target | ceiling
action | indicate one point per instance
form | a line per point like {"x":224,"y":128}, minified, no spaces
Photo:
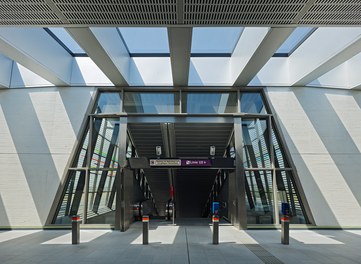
{"x":328,"y":57}
{"x":179,"y":12}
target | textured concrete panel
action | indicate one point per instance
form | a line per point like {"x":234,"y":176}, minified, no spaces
{"x":39,"y":129}
{"x":322,"y":130}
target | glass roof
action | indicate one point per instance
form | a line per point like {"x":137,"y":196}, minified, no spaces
{"x":211,"y":40}
{"x":298,"y":36}
{"x":64,"y":39}
{"x":145,"y":40}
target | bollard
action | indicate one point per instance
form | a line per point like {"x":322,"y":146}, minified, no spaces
{"x":285,"y":230}
{"x":75,"y":229}
{"x":145,"y":221}
{"x":215,"y":220}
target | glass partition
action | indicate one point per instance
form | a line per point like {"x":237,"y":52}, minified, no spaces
{"x":256,"y":147}
{"x":252,"y":103}
{"x":108,"y":103}
{"x":259,"y":197}
{"x":151,"y":103}
{"x":209,"y":103}
{"x":106,"y":132}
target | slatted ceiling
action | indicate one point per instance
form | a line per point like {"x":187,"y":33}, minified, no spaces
{"x":241,"y":12}
{"x":27,"y":12}
{"x":346,"y":12}
{"x":164,"y":12}
{"x":194,"y":140}
{"x":126,"y":12}
{"x":146,"y":137}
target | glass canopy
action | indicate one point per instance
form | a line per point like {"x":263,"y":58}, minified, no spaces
{"x":65,"y":40}
{"x":145,"y":40}
{"x":298,"y":36}
{"x":212,"y":40}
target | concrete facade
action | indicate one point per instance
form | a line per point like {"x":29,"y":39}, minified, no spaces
{"x":322,"y":129}
{"x":38,"y":130}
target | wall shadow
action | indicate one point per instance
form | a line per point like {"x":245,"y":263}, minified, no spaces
{"x":333,"y":134}
{"x":76,"y":101}
{"x":32,"y":150}
{"x":4,"y":219}
{"x":194,"y":77}
{"x":318,"y":204}
{"x":304,"y":175}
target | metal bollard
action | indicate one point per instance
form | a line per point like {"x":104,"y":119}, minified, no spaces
{"x":285,"y":230}
{"x":75,"y":229}
{"x":215,"y":221}
{"x":145,"y":221}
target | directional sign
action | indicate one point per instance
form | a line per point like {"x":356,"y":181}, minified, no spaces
{"x":165,"y":162}
{"x":196,"y":163}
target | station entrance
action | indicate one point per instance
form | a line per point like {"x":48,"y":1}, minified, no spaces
{"x":181,"y":168}
{"x":187,"y":147}
{"x":187,"y":163}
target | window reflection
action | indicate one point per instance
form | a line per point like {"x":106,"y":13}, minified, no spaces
{"x":259,"y":197}
{"x":252,"y":103}
{"x":108,"y":103}
{"x":256,"y":144}
{"x":209,"y":103}
{"x":151,"y":103}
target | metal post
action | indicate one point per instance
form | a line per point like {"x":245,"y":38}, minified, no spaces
{"x":145,"y":221}
{"x":285,"y":226}
{"x":215,"y":220}
{"x":75,"y":229}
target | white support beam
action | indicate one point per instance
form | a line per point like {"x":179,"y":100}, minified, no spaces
{"x":321,"y":52}
{"x":350,"y":51}
{"x":271,"y":42}
{"x":180,"y":42}
{"x":36,"y":50}
{"x":104,"y":47}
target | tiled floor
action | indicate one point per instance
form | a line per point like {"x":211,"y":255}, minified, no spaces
{"x":187,"y":243}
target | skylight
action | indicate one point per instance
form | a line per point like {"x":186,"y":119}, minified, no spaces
{"x":298,"y":36}
{"x":146,"y":41}
{"x":65,"y":40}
{"x":214,"y":41}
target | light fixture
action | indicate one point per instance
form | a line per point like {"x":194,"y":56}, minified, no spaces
{"x":212,"y":151}
{"x":158,"y":151}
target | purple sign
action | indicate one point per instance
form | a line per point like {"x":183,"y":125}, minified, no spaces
{"x":196,"y":163}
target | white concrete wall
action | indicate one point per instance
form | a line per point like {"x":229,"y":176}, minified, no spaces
{"x":38,"y":130}
{"x":322,"y":128}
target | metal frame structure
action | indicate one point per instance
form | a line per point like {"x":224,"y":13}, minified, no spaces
{"x":236,"y":180}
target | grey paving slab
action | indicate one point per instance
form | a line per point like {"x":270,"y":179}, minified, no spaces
{"x":184,"y":243}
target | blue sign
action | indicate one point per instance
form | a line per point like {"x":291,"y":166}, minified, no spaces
{"x":215,"y":208}
{"x":285,"y":208}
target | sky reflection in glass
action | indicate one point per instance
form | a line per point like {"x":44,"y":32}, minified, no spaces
{"x":298,"y":36}
{"x":150,"y":103}
{"x":145,"y":40}
{"x":209,"y":103}
{"x":215,"y":40}
{"x":67,"y":40}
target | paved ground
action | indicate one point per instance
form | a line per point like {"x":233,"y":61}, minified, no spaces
{"x":187,"y":243}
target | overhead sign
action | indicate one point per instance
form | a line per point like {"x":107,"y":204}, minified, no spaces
{"x":196,"y":163}
{"x":165,"y":162}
